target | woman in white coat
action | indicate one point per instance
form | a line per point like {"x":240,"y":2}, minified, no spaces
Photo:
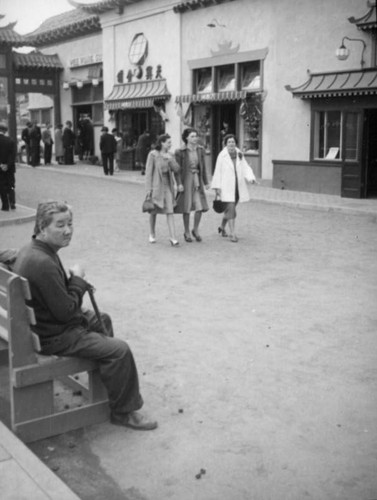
{"x":229,"y":182}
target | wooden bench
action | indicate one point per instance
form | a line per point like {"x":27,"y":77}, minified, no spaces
{"x":33,"y":409}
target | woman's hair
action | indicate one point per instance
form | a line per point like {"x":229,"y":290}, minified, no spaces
{"x":187,"y":132}
{"x":45,"y":212}
{"x":229,"y":136}
{"x":160,"y":139}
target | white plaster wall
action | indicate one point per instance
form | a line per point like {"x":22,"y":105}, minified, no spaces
{"x":299,"y":35}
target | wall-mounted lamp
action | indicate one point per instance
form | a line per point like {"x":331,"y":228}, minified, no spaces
{"x":215,"y":23}
{"x":95,"y":82}
{"x":65,"y":85}
{"x":79,"y":84}
{"x":343,"y":52}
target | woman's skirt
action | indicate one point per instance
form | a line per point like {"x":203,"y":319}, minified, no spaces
{"x":230,"y":210}
{"x":168,"y":197}
{"x":192,"y":195}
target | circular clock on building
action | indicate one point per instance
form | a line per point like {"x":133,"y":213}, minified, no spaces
{"x":138,"y":50}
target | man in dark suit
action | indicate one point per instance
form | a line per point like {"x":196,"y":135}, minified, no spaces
{"x":7,"y":170}
{"x":108,"y":147}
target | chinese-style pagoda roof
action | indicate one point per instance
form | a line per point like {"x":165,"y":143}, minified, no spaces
{"x":9,"y":37}
{"x":197,"y":4}
{"x":36,"y":60}
{"x":337,"y":84}
{"x":102,"y":5}
{"x":71,"y":24}
{"x":368,"y":22}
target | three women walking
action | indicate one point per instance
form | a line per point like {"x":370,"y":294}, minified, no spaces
{"x":177,"y":184}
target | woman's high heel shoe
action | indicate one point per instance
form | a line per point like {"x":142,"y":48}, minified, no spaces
{"x":222,"y":232}
{"x":174,"y":243}
{"x":196,"y":235}
{"x":187,"y":238}
{"x":152,"y":239}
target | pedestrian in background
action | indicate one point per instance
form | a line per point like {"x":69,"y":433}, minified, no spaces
{"x":8,"y":151}
{"x":118,"y":152}
{"x":25,"y":136}
{"x":69,"y":140}
{"x":229,"y":182}
{"x":108,"y":147}
{"x":193,"y":177}
{"x":47,"y":144}
{"x":59,"y":150}
{"x":161,"y":168}
{"x":143,"y":147}
{"x":35,"y":144}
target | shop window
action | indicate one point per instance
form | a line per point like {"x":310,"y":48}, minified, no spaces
{"x":202,"y":123}
{"x":336,"y":135}
{"x":204,"y":80}
{"x":250,"y":76}
{"x":226,"y":78}
{"x":251,"y":113}
{"x":327,"y":135}
{"x":46,"y":116}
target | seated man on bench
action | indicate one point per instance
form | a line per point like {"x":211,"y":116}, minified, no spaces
{"x":64,"y":328}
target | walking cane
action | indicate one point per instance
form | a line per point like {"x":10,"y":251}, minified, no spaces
{"x":91,"y":291}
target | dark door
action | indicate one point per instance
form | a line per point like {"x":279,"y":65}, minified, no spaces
{"x":370,"y":131}
{"x":223,"y":122}
{"x":353,"y":173}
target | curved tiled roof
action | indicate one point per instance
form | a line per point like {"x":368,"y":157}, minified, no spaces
{"x":337,"y":84}
{"x":9,"y":37}
{"x":102,"y":5}
{"x":36,"y":60}
{"x":368,"y":22}
{"x":64,"y":26}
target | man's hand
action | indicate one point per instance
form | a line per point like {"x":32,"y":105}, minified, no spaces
{"x":77,"y":270}
{"x":180,"y":188}
{"x":4,"y":167}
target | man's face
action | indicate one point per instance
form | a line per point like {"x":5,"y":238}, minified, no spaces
{"x":59,"y":233}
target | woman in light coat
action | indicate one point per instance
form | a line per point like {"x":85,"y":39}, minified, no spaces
{"x":159,"y":184}
{"x":229,"y":182}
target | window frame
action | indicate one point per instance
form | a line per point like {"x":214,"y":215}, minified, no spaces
{"x":314,"y":142}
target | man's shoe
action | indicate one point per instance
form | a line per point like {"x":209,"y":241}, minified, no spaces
{"x":133,"y":420}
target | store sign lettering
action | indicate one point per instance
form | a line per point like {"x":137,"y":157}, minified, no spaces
{"x":85,"y":60}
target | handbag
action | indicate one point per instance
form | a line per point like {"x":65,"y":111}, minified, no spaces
{"x":148,"y":205}
{"x":218,"y":205}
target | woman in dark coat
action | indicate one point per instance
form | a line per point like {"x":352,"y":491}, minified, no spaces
{"x":69,"y":140}
{"x":193,"y":177}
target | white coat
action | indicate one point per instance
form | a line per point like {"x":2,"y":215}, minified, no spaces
{"x":224,"y":176}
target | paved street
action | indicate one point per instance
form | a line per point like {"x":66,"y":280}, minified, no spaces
{"x":258,"y":359}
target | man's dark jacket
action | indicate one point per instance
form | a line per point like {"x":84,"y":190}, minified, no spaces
{"x":55,"y":298}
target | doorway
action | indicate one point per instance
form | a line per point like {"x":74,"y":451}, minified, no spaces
{"x":224,"y":122}
{"x":370,"y":131}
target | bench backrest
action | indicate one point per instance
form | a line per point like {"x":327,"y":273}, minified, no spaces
{"x":15,"y":319}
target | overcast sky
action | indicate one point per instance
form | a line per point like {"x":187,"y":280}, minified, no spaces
{"x":30,"y":14}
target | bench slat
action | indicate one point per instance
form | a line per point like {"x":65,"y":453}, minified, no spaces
{"x":49,"y":369}
{"x":3,"y":301}
{"x":65,"y":421}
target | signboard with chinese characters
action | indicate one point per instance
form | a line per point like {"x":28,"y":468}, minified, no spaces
{"x":85,"y":60}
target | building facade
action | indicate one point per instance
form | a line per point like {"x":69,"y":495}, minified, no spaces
{"x":295,"y":80}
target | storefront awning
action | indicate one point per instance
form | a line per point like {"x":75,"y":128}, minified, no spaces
{"x":231,"y":95}
{"x":337,"y":84}
{"x":137,"y":94}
